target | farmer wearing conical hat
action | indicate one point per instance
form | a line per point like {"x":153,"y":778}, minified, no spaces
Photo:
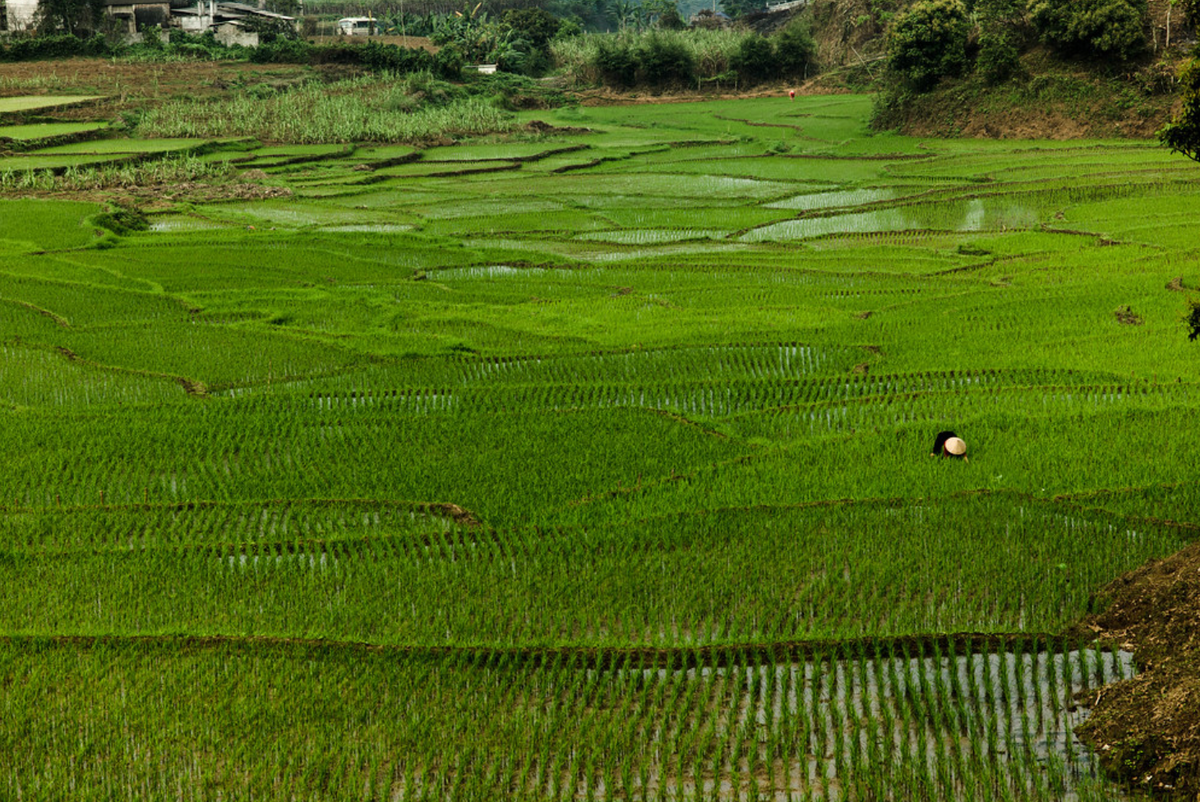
{"x":948,"y":444}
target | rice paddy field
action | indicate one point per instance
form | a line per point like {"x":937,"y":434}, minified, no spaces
{"x":589,"y":462}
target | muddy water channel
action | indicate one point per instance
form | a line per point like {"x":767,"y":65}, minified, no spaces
{"x":963,"y":727}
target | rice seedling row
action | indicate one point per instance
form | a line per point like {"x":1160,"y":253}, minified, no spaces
{"x":919,"y":721}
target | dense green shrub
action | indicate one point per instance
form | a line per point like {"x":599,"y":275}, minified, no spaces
{"x":755,"y":59}
{"x":616,"y":63}
{"x":795,"y":48}
{"x":201,"y":47}
{"x":928,"y":43}
{"x":740,"y":8}
{"x":372,"y":55}
{"x":66,"y":45}
{"x":389,"y":58}
{"x":76,"y":17}
{"x":285,"y":51}
{"x":121,"y":220}
{"x":1003,"y":32}
{"x":535,"y":25}
{"x":998,"y":59}
{"x":670,"y":20}
{"x":1096,"y":28}
{"x":1191,"y":11}
{"x":675,"y":58}
{"x":654,"y":60}
{"x":448,"y":63}
{"x":665,"y":61}
{"x":522,"y":43}
{"x":1182,"y":134}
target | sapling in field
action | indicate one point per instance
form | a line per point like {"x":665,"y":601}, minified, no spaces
{"x":1192,"y":319}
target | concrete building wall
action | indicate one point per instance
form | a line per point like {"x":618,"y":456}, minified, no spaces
{"x":229,"y":35}
{"x":20,"y":13}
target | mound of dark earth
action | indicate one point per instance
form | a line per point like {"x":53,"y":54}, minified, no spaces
{"x":1146,"y":730}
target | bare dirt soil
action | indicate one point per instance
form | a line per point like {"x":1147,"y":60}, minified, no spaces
{"x":413,"y":42}
{"x":1146,"y":730}
{"x":963,"y":120}
{"x":126,"y":86}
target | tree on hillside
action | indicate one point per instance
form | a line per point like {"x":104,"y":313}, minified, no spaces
{"x":663,"y":14}
{"x":755,"y":59}
{"x":592,"y":15}
{"x":1001,"y":36}
{"x":1093,"y":28}
{"x":795,"y":47}
{"x":536,"y":25}
{"x":270,"y":29}
{"x":1182,"y":134}
{"x":524,"y":43}
{"x":737,"y":8}
{"x":929,"y":42}
{"x":1190,"y":10}
{"x":628,"y":14}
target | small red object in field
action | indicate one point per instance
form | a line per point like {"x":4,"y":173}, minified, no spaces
{"x":792,"y":94}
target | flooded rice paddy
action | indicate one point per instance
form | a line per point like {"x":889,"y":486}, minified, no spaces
{"x":838,"y":729}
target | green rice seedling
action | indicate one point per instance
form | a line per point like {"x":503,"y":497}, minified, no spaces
{"x":26,"y":103}
{"x":33,"y":133}
{"x":37,"y":224}
{"x":139,"y":146}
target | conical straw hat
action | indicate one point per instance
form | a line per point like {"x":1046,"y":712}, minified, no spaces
{"x":956,"y":446}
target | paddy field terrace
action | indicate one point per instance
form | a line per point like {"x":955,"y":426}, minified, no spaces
{"x":584,"y":459}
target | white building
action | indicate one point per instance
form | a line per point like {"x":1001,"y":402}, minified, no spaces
{"x":356,"y":26}
{"x":17,"y":15}
{"x":225,"y":19}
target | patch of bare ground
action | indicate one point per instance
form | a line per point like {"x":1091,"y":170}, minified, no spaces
{"x":1126,"y":316}
{"x":412,"y":42}
{"x":542,"y":127}
{"x":1146,"y":730}
{"x":1054,"y":122}
{"x":153,"y":196}
{"x":164,"y":197}
{"x":194,"y":387}
{"x":128,"y":85}
{"x":607,"y":96}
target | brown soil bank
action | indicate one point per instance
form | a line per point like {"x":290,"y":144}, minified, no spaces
{"x":1049,"y":99}
{"x":1146,"y":730}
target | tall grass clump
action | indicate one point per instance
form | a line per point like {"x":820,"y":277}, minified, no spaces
{"x":651,"y":58}
{"x":173,"y":170}
{"x":368,"y":109}
{"x":671,"y":59}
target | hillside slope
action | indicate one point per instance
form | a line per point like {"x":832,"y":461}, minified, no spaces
{"x":1048,"y":97}
{"x":1051,"y":99}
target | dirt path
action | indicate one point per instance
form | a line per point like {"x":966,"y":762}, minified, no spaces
{"x":1147,"y":730}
